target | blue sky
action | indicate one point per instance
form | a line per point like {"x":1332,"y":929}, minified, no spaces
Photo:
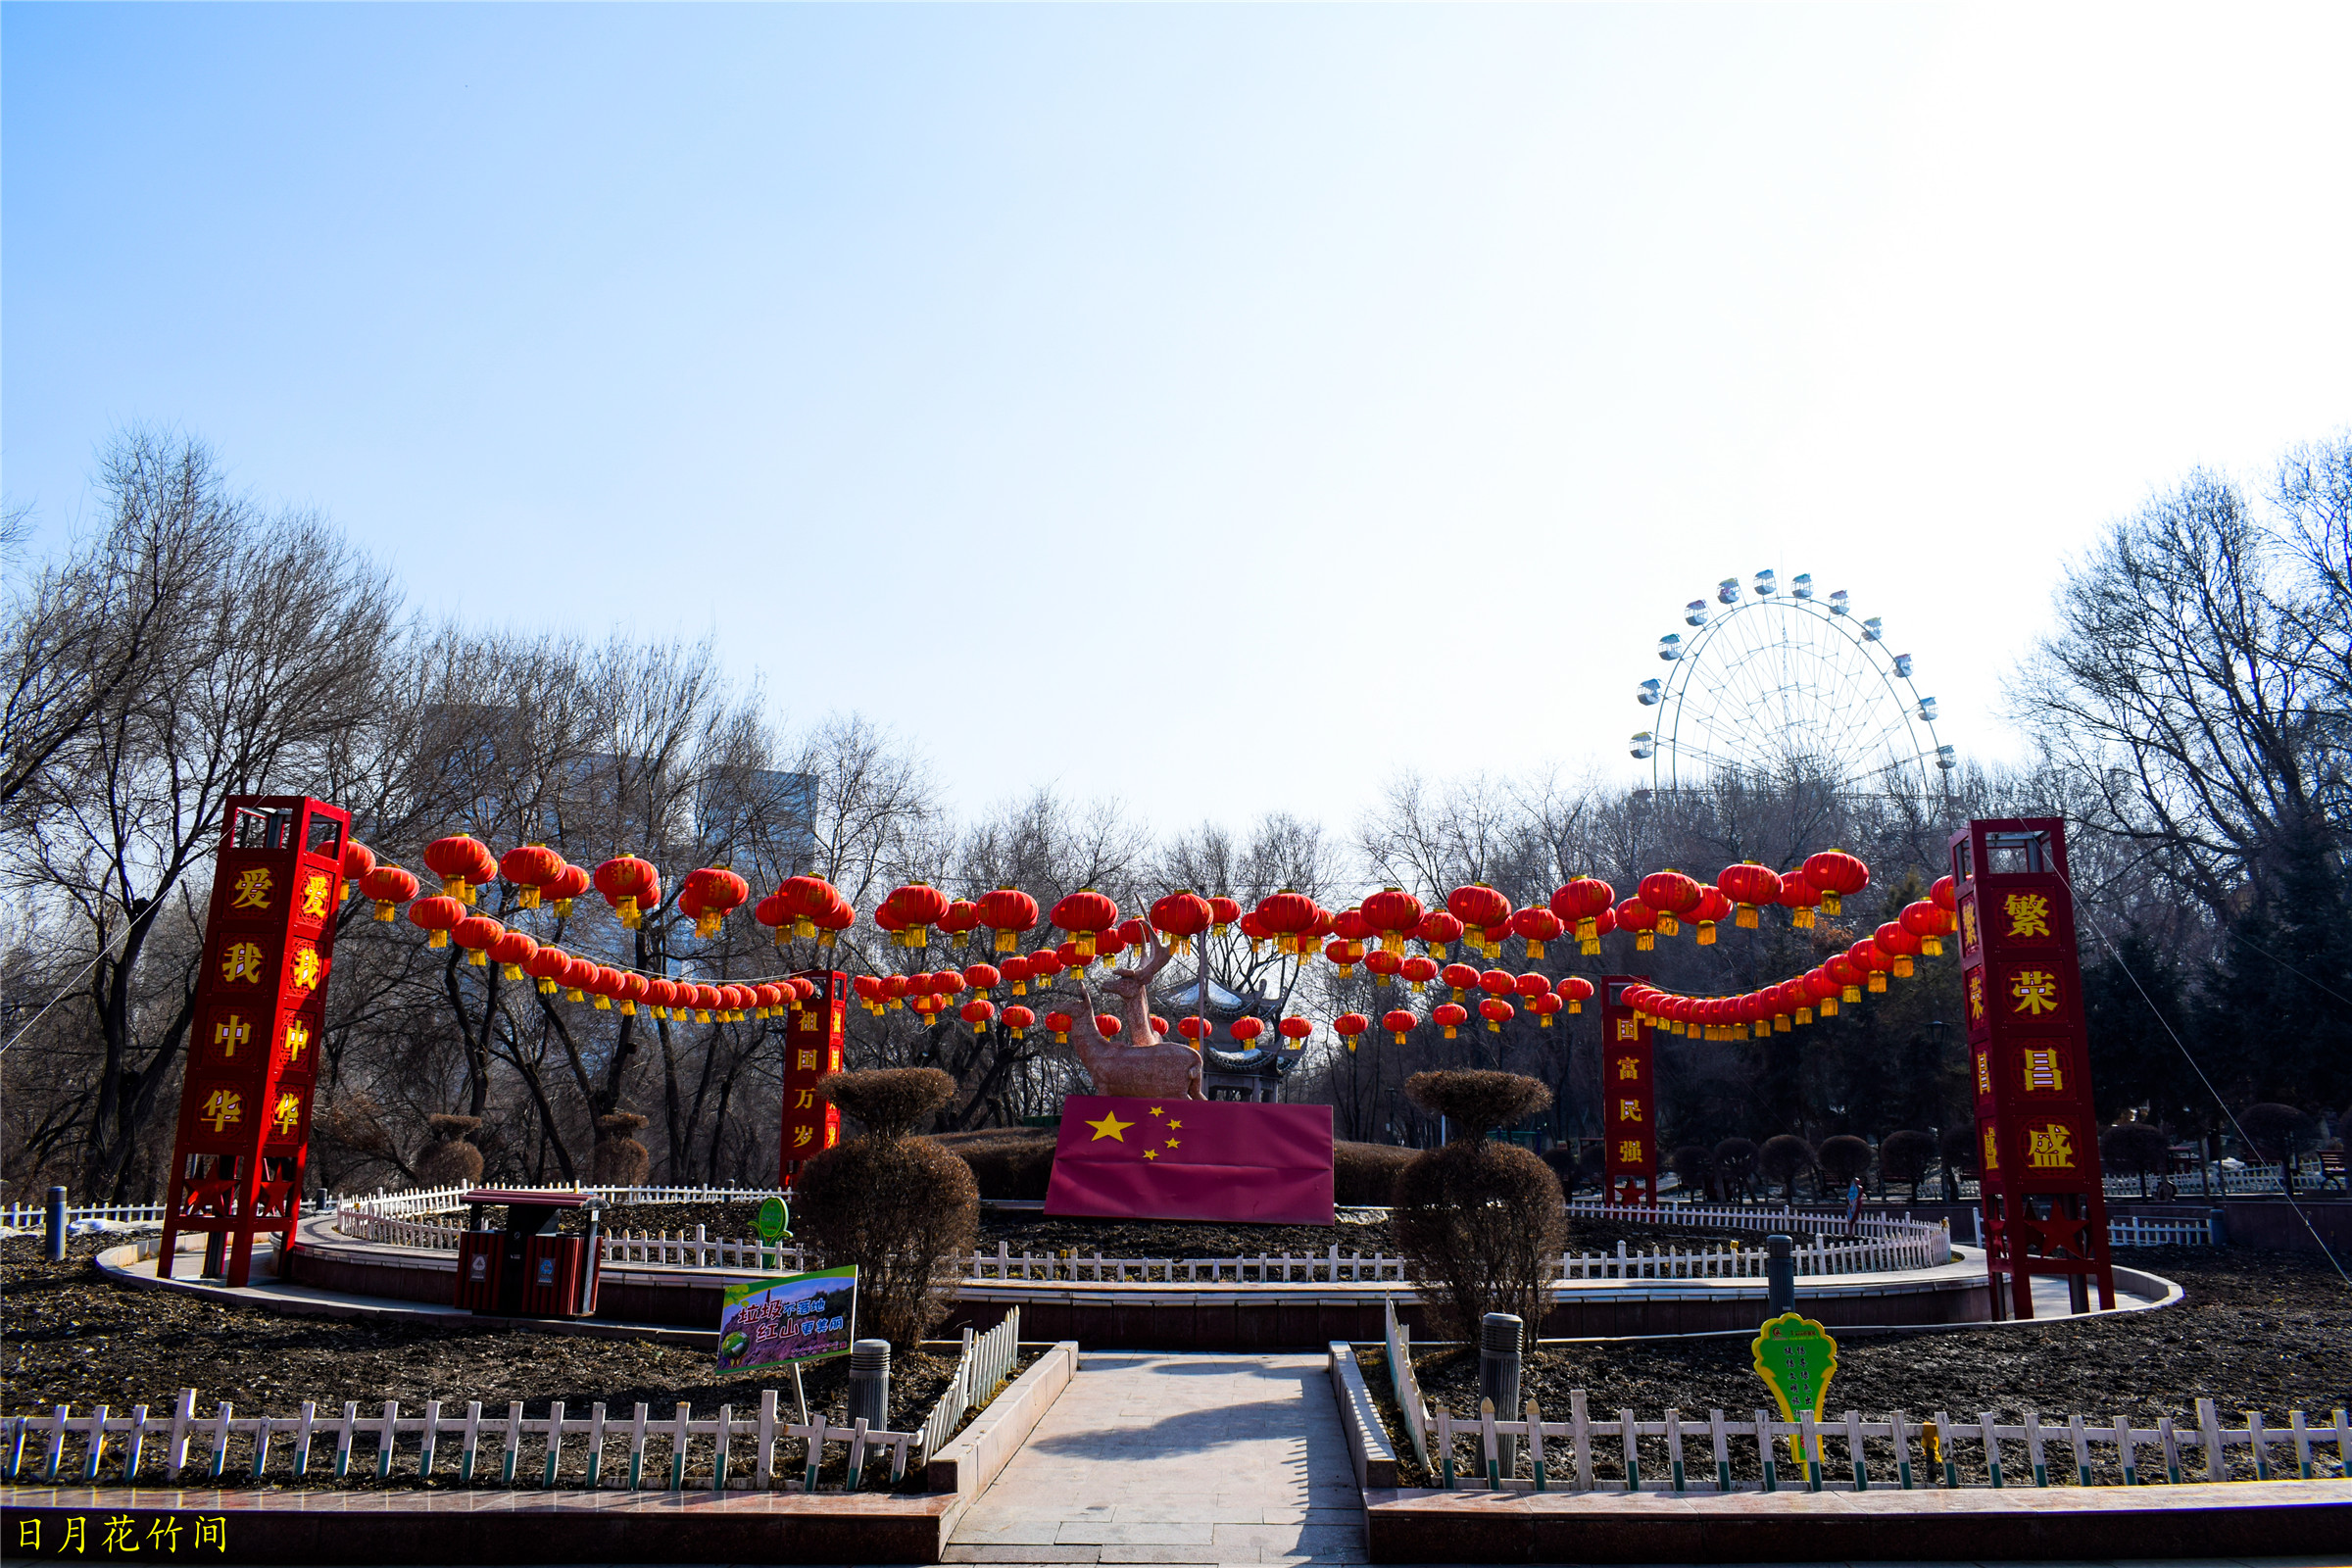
{"x":1219,"y":408}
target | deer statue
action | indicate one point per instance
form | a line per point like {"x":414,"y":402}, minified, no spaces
{"x":1140,"y":1063}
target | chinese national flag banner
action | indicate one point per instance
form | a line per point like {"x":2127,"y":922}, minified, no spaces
{"x":1221,"y":1159}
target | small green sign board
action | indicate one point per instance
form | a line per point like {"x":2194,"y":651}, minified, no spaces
{"x":1796,"y":1359}
{"x":773,"y":1221}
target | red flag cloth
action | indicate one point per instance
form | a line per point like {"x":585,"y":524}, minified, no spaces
{"x":1223,"y":1159}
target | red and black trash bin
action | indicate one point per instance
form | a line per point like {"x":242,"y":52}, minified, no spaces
{"x":528,"y":1268}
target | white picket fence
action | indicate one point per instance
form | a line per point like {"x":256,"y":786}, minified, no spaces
{"x":1607,"y":1454}
{"x":2135,"y":1230}
{"x":987,"y":1362}
{"x":65,"y":1447}
{"x":36,"y":1216}
{"x":2247,"y":1180}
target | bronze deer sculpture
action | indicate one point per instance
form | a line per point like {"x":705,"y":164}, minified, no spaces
{"x":1140,"y":1063}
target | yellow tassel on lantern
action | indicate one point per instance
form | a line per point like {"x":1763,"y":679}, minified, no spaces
{"x":604,"y":1003}
{"x":527,"y":898}
{"x":1449,"y":1031}
{"x":573,"y":995}
{"x":547,"y":988}
{"x":1668,"y":925}
{"x":1706,"y":933}
{"x":562,"y":909}
{"x":1544,"y":1019}
{"x":1931,"y":947}
{"x":383,"y":910}
{"x":1086,"y":946}
{"x":1803,"y":919}
{"x":477,"y":958}
{"x":626,"y":909}
{"x":1902,"y":966}
{"x":1804,"y":1015}
{"x":439,"y":939}
{"x":1345,"y":971}
{"x":1878,"y":981}
{"x":705,"y":925}
{"x":1645,"y":941}
{"x":1575,"y":1005}
{"x":1007,"y":941}
{"x":629,"y":1009}
{"x":1780,"y":1023}
{"x":1746,"y":919}
{"x":510,"y":971}
{"x":1829,"y":903}
{"x":701,"y":1017}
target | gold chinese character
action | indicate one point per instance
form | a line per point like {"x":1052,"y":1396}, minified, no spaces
{"x":805,"y":1099}
{"x":212,"y":1531}
{"x":28,"y":1535}
{"x":231,"y":1033}
{"x":2050,"y":1148}
{"x":242,"y":962}
{"x":289,"y":1111}
{"x":1975,"y":997}
{"x":76,"y":1539}
{"x":1627,"y":1067}
{"x":308,"y":968}
{"x":225,"y":1106}
{"x":832,"y":1136}
{"x":1628,"y":1029}
{"x":1629,"y":1111}
{"x":800,"y":1136}
{"x":2029,"y":914}
{"x":1629,"y":1152}
{"x":1993,"y":1157}
{"x":2042,"y":1070}
{"x":807,"y":1059}
{"x":118,"y":1534}
{"x":252,"y":889}
{"x":833,"y":1059}
{"x":1983,"y":1073}
{"x":1968,"y":922}
{"x":2035,"y":991}
{"x":165,"y":1535}
{"x":298,"y":1034}
{"x":314,"y":895}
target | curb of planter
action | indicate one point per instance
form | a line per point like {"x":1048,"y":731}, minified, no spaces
{"x":1368,"y":1446}
{"x":973,"y":1458}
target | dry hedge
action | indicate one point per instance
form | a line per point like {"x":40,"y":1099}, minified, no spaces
{"x":1005,"y":1162}
{"x":1475,"y":1104}
{"x":1365,"y":1174}
{"x":888,"y":1100}
{"x":900,"y":1208}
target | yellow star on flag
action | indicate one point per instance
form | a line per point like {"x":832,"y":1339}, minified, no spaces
{"x":1175,"y":1126}
{"x":1151,"y":1154}
{"x":1109,"y":1127}
{"x":1155,"y":1110}
{"x":1173,"y":1142}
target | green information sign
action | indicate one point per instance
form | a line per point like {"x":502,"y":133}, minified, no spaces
{"x":773,"y":1221}
{"x":1797,"y":1359}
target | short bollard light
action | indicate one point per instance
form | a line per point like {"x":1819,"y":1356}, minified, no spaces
{"x":1779,"y":1275}
{"x":869,"y":1387}
{"x":57,"y":1225}
{"x":1499,"y":1337}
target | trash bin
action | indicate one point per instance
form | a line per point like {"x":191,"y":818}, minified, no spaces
{"x":525,"y":1267}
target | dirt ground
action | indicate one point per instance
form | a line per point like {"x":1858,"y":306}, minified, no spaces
{"x":69,"y":1337}
{"x":2257,"y":1331}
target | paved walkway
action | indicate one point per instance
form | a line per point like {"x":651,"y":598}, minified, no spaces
{"x":1150,"y":1458}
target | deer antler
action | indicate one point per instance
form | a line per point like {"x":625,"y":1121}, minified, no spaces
{"x":1157,"y":962}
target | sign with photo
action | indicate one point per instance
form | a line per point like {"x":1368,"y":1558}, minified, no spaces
{"x":795,"y":1317}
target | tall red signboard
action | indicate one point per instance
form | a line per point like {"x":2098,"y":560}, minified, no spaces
{"x":253,"y":1050}
{"x":811,"y":1049}
{"x":1628,"y":1117}
{"x":2038,"y":1140}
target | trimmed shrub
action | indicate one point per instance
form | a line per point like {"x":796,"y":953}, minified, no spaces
{"x":1005,"y":1162}
{"x":1735,"y":1168}
{"x":1904,"y":1156}
{"x":618,"y":1159}
{"x":449,"y":1161}
{"x":1694,"y":1167}
{"x":1479,"y":1222}
{"x":1785,"y":1157}
{"x":900,"y":1208}
{"x":2137,"y":1148}
{"x":1843,"y":1159}
{"x":1364,"y":1175}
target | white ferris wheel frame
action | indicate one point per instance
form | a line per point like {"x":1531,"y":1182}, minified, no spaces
{"x":1803,"y":666}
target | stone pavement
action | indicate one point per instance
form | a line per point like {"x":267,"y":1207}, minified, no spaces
{"x":1163,"y":1459}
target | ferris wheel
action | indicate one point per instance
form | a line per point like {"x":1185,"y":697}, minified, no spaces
{"x":1777,"y":684}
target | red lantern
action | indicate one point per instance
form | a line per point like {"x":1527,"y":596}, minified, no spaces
{"x":1848,"y":974}
{"x":1418,"y":971}
{"x":715,"y":892}
{"x":1943,"y":897}
{"x":1823,"y":989}
{"x":1349,"y":1025}
{"x":529,"y":867}
{"x":1009,"y":912}
{"x":1708,"y":913}
{"x":513,"y":949}
{"x":1015,"y":972}
{"x":1800,"y":898}
{"x":1107,"y":1025}
{"x":1350,"y":927}
{"x":459,"y":861}
{"x":1496,"y":1012}
{"x":1059,"y":1022}
{"x":1498,"y":982}
{"x":1254,"y":930}
{"x":1338,"y":953}
{"x":1899,"y":944}
{"x":1160,"y":1025}
{"x":913,"y":909}
{"x":547,"y":967}
{"x":634,"y":988}
{"x":805,"y":899}
{"x":1874,"y":959}
{"x":1449,"y":1015}
{"x":947,"y":982}
{"x":1477,"y":907}
{"x":978,"y":1013}
{"x":774,"y":912}
{"x":1537,"y":926}
{"x":1580,"y":903}
{"x":895,"y":990}
{"x":631,"y":886}
{"x":1532,"y":986}
{"x":1399,"y":1021}
{"x":1043,"y":967}
{"x":768,"y":998}
{"x":1194,"y":1028}
{"x":1543,"y":1007}
{"x":1383,"y":964}
{"x":982,"y":977}
{"x":569,"y":884}
{"x":610,"y":986}
{"x":1086,"y":914}
{"x":437,"y":914}
{"x":1748,"y":885}
{"x":1640,"y":919}
{"x":1294,"y":1030}
{"x":1245,"y":1029}
{"x":869,"y":990}
{"x":1286,"y":917}
{"x":838,"y":917}
{"x":962,"y":917}
{"x":1437,"y":928}
{"x":1576,"y":991}
{"x":1019,"y":1019}
{"x":1395,"y":914}
{"x":1222,"y":912}
{"x":578,"y":975}
{"x":1183,"y":914}
{"x":1672,"y":895}
{"x":357,"y":860}
{"x":1930,"y":925}
{"x":388,"y":885}
{"x":1838,"y":874}
{"x":1460,"y":976}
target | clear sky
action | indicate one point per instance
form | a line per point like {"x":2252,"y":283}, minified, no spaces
{"x":1219,"y":408}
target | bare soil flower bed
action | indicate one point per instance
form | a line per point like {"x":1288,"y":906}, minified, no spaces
{"x":2257,"y":1331}
{"x":68,"y":1336}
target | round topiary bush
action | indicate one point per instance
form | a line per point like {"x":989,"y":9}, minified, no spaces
{"x":1843,"y":1158}
{"x":1480,"y":1223}
{"x":900,"y":1208}
{"x":1783,"y":1158}
{"x":1735,"y":1168}
{"x":449,"y":1161}
{"x":1904,"y":1156}
{"x":618,"y":1159}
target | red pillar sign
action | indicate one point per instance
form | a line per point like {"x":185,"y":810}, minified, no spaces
{"x":2038,"y":1139}
{"x":253,"y":1049}
{"x":1629,"y":1116}
{"x":811,"y":1049}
